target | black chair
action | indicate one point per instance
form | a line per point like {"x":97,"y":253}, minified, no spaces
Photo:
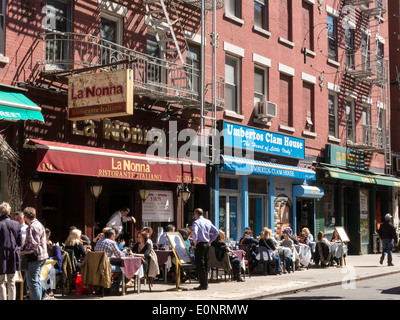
{"x":74,"y":263}
{"x":61,"y":278}
{"x":322,"y":254}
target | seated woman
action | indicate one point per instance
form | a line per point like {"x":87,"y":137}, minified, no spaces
{"x":252,"y":244}
{"x":74,"y":242}
{"x":285,"y":254}
{"x":335,"y":236}
{"x":308,"y":234}
{"x":322,"y":250}
{"x":221,"y":249}
{"x":142,"y":249}
{"x":268,"y":241}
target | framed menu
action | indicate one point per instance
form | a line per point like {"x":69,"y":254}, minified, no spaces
{"x":158,"y":207}
{"x":179,"y":248}
{"x":342,"y":234}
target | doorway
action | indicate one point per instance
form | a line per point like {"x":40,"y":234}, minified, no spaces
{"x":228,"y":215}
{"x":304,"y":215}
{"x":256,"y":214}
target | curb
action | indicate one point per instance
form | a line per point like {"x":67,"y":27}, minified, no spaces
{"x":316,"y":286}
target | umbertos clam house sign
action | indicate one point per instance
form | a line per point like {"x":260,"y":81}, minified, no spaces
{"x":100,"y":95}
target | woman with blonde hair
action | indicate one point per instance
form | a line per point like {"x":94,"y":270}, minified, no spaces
{"x":268,"y":242}
{"x":74,"y":243}
{"x":308,"y":234}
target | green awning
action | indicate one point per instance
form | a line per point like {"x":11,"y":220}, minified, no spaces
{"x":349,"y":175}
{"x":387,"y":181}
{"x":344,"y":174}
{"x":15,"y":106}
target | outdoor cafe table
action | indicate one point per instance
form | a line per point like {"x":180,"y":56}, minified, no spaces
{"x":132,"y":267}
{"x":164,"y":260}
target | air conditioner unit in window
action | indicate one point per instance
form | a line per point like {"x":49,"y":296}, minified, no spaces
{"x":266,"y":110}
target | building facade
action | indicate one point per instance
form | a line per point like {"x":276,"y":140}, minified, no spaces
{"x":293,"y":94}
{"x":316,"y":71}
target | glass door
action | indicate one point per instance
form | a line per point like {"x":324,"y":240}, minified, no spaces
{"x":256,"y":214}
{"x":228,"y":215}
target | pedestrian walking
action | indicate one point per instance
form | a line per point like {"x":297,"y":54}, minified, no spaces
{"x":202,"y":228}
{"x":35,"y":249}
{"x":10,"y":241}
{"x":388,"y":236}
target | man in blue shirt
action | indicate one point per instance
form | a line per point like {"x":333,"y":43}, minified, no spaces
{"x":201,"y":230}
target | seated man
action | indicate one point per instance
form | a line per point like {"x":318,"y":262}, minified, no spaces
{"x":110,"y":247}
{"x":163,"y":238}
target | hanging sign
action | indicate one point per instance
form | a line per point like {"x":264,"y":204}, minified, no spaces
{"x":243,"y":137}
{"x":100,"y":95}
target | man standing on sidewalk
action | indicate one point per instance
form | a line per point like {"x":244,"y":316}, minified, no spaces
{"x":201,"y":230}
{"x":388,"y":234}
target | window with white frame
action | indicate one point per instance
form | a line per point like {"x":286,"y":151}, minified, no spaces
{"x":232,"y":8}
{"x":332,"y":37}
{"x":350,"y":122}
{"x":193,"y":60}
{"x":260,"y":84}
{"x":332,"y":113}
{"x":58,"y":21}
{"x":232,"y":84}
{"x":365,"y":58}
{"x":366,"y":122}
{"x":349,"y":44}
{"x":261,"y":14}
{"x":111,"y":36}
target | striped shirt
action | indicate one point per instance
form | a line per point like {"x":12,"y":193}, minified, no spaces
{"x":36,"y":240}
{"x":109,"y":246}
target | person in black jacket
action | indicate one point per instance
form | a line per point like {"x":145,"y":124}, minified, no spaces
{"x":388,"y":234}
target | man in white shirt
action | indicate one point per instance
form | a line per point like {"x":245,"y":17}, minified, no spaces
{"x":118,"y":218}
{"x":20,"y":218}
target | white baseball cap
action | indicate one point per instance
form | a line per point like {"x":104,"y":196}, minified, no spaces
{"x":388,"y":216}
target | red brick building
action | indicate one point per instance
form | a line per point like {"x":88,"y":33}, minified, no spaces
{"x":303,"y":73}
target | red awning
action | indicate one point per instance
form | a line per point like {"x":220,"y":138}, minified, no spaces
{"x":54,"y":157}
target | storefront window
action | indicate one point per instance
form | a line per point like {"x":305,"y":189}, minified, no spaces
{"x":228,"y":183}
{"x":257,"y":185}
{"x":331,"y":214}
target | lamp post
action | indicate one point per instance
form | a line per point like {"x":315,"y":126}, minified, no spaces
{"x":35,"y":184}
{"x":144,"y":193}
{"x":184,"y":192}
{"x":96,"y":189}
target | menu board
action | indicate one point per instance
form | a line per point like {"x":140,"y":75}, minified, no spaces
{"x":179,"y":248}
{"x":158,"y":207}
{"x":342,"y":234}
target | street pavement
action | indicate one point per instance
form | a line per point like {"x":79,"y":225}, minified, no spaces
{"x":357,"y":267}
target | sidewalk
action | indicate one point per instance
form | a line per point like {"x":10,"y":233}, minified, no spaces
{"x":258,"y":286}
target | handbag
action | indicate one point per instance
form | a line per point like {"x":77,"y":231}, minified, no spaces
{"x":232,"y":255}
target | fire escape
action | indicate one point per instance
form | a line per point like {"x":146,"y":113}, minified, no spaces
{"x":167,"y":77}
{"x":374,"y":134}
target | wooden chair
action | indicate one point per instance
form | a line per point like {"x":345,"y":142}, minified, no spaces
{"x":247,"y":255}
{"x":102,"y":277}
{"x":215,"y":264}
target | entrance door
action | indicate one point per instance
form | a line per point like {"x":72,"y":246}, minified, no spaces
{"x":304,"y":215}
{"x":256,"y":214}
{"x":228,"y":215}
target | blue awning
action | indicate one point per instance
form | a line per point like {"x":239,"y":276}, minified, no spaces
{"x":243,"y":166}
{"x":308,"y":192}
